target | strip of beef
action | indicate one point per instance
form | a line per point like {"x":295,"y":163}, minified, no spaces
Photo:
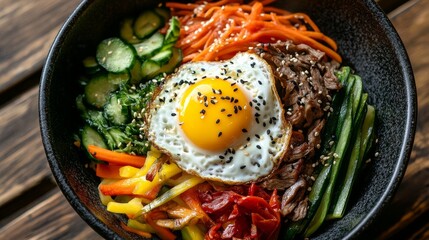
{"x":305,"y":80}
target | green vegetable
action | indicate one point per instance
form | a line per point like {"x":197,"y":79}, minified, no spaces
{"x":114,"y":55}
{"x":192,"y":232}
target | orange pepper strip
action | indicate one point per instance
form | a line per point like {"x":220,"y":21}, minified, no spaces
{"x":116,"y":157}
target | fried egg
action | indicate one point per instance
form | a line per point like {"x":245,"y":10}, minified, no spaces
{"x":221,"y":120}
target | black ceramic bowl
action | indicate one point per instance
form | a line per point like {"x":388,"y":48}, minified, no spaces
{"x":366,"y":39}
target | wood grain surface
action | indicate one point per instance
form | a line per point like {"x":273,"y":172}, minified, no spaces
{"x":32,"y":207}
{"x":27,"y":29}
{"x":51,"y":218}
{"x":408,"y":213}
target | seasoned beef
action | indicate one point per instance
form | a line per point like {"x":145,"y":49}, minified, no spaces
{"x":305,"y":80}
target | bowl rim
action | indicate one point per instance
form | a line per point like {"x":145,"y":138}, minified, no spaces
{"x":364,"y":223}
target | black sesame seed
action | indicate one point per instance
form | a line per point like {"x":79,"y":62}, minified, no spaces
{"x":223,"y":110}
{"x":264,"y":102}
{"x":199,"y":94}
{"x":173,"y":114}
{"x":258,"y":147}
{"x":235,"y":89}
{"x":242,"y":167}
{"x":236,"y":101}
{"x":257,"y":115}
{"x":239,"y":108}
{"x":228,"y":161}
{"x":239,"y":71}
{"x":232,"y":84}
{"x":202,"y":69}
{"x":229,"y":115}
{"x":260,"y":97}
{"x":212,"y":101}
{"x":203,"y":111}
{"x":253,"y":64}
{"x":221,"y":157}
{"x":218,"y":121}
{"x":264,"y":124}
{"x":257,"y":136}
{"x":219,"y":134}
{"x":255,"y":101}
{"x":257,"y":120}
{"x":251,"y":104}
{"x":260,"y":83}
{"x":268,"y":131}
{"x":248,"y":139}
{"x":244,"y":130}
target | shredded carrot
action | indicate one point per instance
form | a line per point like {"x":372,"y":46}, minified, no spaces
{"x":116,"y":158}
{"x":107,"y":171}
{"x":218,"y":30}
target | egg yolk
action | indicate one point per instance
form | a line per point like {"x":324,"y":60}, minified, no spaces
{"x":214,"y":114}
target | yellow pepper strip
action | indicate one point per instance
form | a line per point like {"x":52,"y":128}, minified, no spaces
{"x":152,"y":156}
{"x":140,"y":226}
{"x":173,"y":182}
{"x":128,"y":171}
{"x":172,"y":193}
{"x":167,"y":171}
{"x":132,"y":207}
{"x":104,"y":198}
{"x":192,"y":232}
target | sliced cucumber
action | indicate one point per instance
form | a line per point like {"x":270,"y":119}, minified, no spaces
{"x":92,"y":137}
{"x":91,"y":65}
{"x":114,"y":55}
{"x":136,"y":73}
{"x":175,"y":60}
{"x":150,"y":69}
{"x":127,"y":31}
{"x":162,"y":57}
{"x":173,"y":32}
{"x":98,"y":90}
{"x":163,"y":12}
{"x":118,"y":78}
{"x":147,"y":23}
{"x":150,"y":45}
{"x":115,"y":112}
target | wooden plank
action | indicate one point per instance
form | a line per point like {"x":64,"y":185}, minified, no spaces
{"x":22,"y":159}
{"x":50,"y":218}
{"x":411,"y":202}
{"x":27,"y":29}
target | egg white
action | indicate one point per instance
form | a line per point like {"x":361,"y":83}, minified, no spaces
{"x":265,"y":143}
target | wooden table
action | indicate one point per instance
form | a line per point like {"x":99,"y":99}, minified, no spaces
{"x":31,"y":206}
